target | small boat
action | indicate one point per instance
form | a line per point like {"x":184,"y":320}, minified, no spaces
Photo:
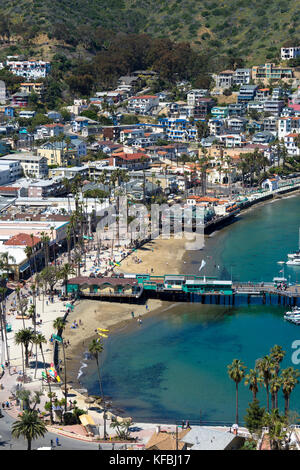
{"x":296,"y":254}
{"x":296,"y":322}
{"x":291,"y":317}
{"x":294,"y":311}
{"x":294,"y":262}
{"x":280,"y":262}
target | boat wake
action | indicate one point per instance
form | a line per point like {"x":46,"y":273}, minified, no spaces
{"x":80,"y":372}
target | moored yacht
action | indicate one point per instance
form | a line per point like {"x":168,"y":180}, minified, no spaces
{"x":294,"y":262}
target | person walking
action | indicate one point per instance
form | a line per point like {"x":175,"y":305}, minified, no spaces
{"x":57,"y":442}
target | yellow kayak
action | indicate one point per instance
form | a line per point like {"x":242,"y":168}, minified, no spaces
{"x":102,"y":334}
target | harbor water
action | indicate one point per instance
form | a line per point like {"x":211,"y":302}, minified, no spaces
{"x":173,"y":366}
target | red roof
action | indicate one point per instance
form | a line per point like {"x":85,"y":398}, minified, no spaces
{"x":9,"y":188}
{"x":130,"y":156}
{"x":23,"y":239}
{"x":143,"y":97}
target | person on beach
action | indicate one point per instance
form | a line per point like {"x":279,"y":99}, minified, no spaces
{"x":132,"y":314}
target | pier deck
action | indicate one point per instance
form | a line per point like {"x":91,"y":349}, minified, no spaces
{"x":182,"y":288}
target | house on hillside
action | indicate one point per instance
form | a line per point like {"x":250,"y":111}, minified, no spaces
{"x":142,"y":104}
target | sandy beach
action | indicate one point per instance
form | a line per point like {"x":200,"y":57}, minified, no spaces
{"x":157,"y":257}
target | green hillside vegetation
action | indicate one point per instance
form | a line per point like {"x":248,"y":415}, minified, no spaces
{"x":91,"y":43}
{"x":254,"y":30}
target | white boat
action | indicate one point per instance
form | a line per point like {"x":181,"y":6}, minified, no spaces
{"x":296,"y":322}
{"x":294,"y":262}
{"x":291,"y":317}
{"x":294,"y":311}
{"x":296,"y":254}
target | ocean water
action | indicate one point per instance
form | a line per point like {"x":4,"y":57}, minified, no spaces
{"x":174,"y":365}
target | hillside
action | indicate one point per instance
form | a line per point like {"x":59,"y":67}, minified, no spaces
{"x":235,"y":27}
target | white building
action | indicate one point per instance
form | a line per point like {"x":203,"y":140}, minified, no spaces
{"x":2,"y":92}
{"x":32,"y":165}
{"x":290,"y":142}
{"x":242,"y":77}
{"x":29,"y":68}
{"x":13,"y":167}
{"x":288,"y":125}
{"x":288,"y":53}
{"x":232,"y":140}
{"x":194,"y":95}
{"x":142,"y":104}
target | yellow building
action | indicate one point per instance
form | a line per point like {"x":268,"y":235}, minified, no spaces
{"x":59,"y":153}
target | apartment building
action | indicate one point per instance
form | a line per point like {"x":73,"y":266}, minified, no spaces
{"x":29,"y":68}
{"x":270,"y":71}
{"x":34,"y":166}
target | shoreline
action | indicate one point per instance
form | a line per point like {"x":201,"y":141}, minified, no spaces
{"x":122,"y":318}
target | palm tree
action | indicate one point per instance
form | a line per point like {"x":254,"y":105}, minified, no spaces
{"x":266,"y":368}
{"x":39,"y":340}
{"x":45,"y":239}
{"x":289,"y":379}
{"x":236,"y":372}
{"x":33,"y":247}
{"x":277,"y":355}
{"x":59,"y":324}
{"x":253,"y":379}
{"x":29,"y":426}
{"x":5,"y":261}
{"x":25,"y":337}
{"x":28,"y":253}
{"x":275,"y":385}
{"x":68,"y":236}
{"x":65,"y":271}
{"x":95,"y":349}
{"x":77,"y":260}
{"x":3,"y":322}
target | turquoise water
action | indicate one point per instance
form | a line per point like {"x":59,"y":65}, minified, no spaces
{"x":174,"y":366}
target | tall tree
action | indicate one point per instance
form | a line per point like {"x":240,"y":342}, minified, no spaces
{"x":95,"y":349}
{"x":236,"y":372}
{"x":253,"y":380}
{"x":266,"y":367}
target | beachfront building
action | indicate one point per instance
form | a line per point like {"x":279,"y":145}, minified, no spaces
{"x":104,"y":287}
{"x":271,"y":183}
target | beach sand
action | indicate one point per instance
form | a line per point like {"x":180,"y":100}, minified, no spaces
{"x":163,"y":256}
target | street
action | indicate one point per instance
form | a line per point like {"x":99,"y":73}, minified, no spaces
{"x":7,"y":442}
